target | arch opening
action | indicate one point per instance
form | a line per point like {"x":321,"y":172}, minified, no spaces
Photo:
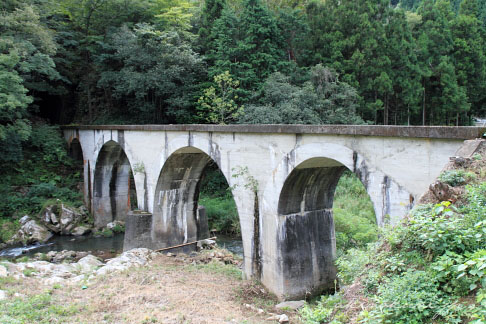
{"x":177,"y":216}
{"x":76,"y":151}
{"x":114,"y":193}
{"x":306,"y":235}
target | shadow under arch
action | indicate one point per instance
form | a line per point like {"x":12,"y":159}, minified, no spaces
{"x":75,"y":150}
{"x":306,"y":234}
{"x":112,"y":185}
{"x":176,"y":217}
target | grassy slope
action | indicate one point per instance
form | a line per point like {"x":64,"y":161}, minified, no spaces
{"x":431,"y":269}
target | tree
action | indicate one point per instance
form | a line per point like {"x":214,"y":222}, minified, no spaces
{"x":443,"y":99}
{"x":218,"y":104}
{"x":211,"y":12}
{"x":321,"y":100}
{"x":14,"y":126}
{"x":469,"y":53}
{"x":152,"y":74}
{"x":249,"y":46}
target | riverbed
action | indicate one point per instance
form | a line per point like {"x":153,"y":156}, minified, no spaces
{"x":104,"y":247}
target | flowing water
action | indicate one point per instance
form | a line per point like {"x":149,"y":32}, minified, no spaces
{"x":101,"y":246}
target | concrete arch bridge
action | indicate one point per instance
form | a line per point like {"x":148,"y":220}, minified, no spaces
{"x":284,"y":188}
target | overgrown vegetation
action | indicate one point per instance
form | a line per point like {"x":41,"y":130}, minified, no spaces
{"x":430,"y":269}
{"x":354,"y":216}
{"x":41,"y":174}
{"x":220,"y":206}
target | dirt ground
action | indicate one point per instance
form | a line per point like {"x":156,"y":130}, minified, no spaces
{"x":168,"y":290}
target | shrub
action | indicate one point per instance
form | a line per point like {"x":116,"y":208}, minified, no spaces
{"x":324,"y":311}
{"x":456,"y":177}
{"x":352,"y":264}
{"x":413,"y":297}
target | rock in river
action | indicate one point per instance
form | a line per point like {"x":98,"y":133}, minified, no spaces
{"x":62,"y":219}
{"x":31,"y":232}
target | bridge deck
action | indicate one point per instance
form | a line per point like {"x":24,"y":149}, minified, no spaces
{"x":445,"y":132}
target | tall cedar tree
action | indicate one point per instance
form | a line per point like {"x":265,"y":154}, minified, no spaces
{"x":250,"y":47}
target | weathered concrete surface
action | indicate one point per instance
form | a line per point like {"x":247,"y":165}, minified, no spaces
{"x":284,"y":194}
{"x":138,"y":229}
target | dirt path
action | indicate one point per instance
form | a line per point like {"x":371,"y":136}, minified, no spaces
{"x":169,"y":290}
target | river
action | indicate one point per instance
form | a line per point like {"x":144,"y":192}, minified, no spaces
{"x":104,"y":247}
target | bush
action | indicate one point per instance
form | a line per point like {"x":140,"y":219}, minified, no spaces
{"x":413,"y":297}
{"x":352,"y":264}
{"x":456,"y":177}
{"x":324,"y":311}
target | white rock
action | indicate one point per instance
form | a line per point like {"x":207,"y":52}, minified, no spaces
{"x":80,"y":230}
{"x":283,"y":319}
{"x":3,"y":271}
{"x":24,"y":219}
{"x":290,"y":305}
{"x":3,"y":294}
{"x":273,"y":318}
{"x":88,"y":263}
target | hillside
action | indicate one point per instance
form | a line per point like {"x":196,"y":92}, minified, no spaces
{"x":430,"y":269}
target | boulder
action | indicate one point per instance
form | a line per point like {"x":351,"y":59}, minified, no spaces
{"x":88,"y":264}
{"x":62,"y":219}
{"x":135,"y":257}
{"x":290,"y":305}
{"x":113,"y":224}
{"x":80,"y":230}
{"x":31,"y":232}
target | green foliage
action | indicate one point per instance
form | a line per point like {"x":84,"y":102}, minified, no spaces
{"x":8,"y":227}
{"x":413,"y":297}
{"x":217,"y":104}
{"x":222,"y":214}
{"x":354,"y":216}
{"x":441,"y":230}
{"x":456,"y":177}
{"x":45,"y":172}
{"x":46,"y":139}
{"x":352,"y":264}
{"x":118,"y":228}
{"x":324,"y":311}
{"x":321,"y":100}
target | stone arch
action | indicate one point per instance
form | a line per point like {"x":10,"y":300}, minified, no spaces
{"x":175,"y":217}
{"x":303,"y":186}
{"x":111,"y":185}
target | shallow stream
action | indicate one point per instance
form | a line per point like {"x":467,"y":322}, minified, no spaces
{"x":105,"y":247}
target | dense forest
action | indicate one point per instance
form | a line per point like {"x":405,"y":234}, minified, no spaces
{"x":241,"y":61}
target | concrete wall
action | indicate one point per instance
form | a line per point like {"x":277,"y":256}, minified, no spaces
{"x":285,"y":188}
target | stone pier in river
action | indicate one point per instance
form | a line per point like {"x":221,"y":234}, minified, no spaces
{"x":283,"y":179}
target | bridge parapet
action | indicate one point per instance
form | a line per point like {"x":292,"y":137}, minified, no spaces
{"x":437,"y":132}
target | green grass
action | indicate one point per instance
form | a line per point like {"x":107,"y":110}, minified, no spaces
{"x":228,"y":270}
{"x":38,"y":309}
